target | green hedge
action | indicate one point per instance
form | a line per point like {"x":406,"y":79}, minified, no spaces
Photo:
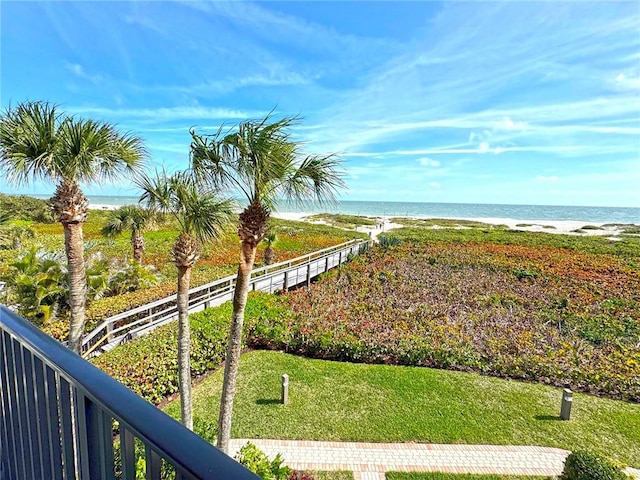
{"x":149,"y":365}
{"x":583,"y":465}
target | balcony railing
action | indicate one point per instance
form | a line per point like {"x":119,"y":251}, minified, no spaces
{"x":62,"y":418}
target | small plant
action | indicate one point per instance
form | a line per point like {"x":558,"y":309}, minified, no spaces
{"x":583,"y":465}
{"x":300,"y":475}
{"x":269,"y":255}
{"x":522,"y":273}
{"x":257,"y":461}
{"x":388,"y":241}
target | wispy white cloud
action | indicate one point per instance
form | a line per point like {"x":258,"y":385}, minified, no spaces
{"x":79,"y":71}
{"x":167,"y":113}
{"x":428,"y":162}
{"x":550,"y":178}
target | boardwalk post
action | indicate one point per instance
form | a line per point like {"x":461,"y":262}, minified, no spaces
{"x":309,"y":272}
{"x":284,"y":396}
{"x":567,"y":400}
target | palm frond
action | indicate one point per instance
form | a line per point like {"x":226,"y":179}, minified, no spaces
{"x":128,"y":217}
{"x":38,"y":142}
{"x":198,"y":209}
{"x":261,"y":161}
{"x":29,"y":141}
{"x":317,"y":179}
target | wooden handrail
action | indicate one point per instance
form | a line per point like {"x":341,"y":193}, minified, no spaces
{"x":96,"y":338}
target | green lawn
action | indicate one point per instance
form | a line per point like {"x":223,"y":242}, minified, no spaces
{"x":454,"y":476}
{"x":380,"y":403}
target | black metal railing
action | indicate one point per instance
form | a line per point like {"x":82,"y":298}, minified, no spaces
{"x":62,"y":418}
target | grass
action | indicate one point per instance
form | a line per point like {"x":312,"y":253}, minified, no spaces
{"x":380,"y":403}
{"x":343,"y":221}
{"x":444,"y":223}
{"x":627,"y":247}
{"x":454,"y":476}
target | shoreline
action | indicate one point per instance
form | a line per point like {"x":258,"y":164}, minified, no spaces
{"x":566,"y":227}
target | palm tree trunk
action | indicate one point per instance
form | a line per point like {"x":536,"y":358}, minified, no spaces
{"x":232,"y":360}
{"x":74,"y":247}
{"x":137,"y":242}
{"x":184,"y":346}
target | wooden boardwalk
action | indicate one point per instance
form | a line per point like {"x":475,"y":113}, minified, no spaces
{"x":128,"y":325}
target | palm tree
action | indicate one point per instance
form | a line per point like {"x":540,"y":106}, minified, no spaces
{"x":37,"y":142}
{"x":19,"y":233}
{"x":262,"y":162}
{"x":269,"y":254}
{"x":202,"y":217}
{"x":135,"y":219}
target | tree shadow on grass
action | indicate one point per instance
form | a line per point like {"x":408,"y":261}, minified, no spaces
{"x":547,"y":417}
{"x":268,"y":401}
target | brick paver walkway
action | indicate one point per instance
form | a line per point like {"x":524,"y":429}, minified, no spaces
{"x":369,"y":461}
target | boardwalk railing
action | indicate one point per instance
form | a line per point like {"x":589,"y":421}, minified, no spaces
{"x":58,"y":414}
{"x":279,"y":276}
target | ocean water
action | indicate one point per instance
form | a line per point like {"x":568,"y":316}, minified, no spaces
{"x":442,"y":210}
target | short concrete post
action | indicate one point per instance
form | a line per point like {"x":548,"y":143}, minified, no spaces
{"x":284,"y":397}
{"x":567,"y":400}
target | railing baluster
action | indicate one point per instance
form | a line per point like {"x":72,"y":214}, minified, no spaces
{"x":99,"y":441}
{"x":53,"y":419}
{"x":153,"y":464}
{"x":66,"y":428}
{"x":127,"y":454}
{"x":40,"y":412}
{"x":83,"y":435}
{"x":9,"y":453}
{"x":15,"y":372}
{"x":29,"y":409}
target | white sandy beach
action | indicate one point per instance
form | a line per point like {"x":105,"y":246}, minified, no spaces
{"x":568,"y":227}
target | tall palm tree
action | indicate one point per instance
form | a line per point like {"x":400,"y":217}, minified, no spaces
{"x":202,"y":217}
{"x":37,"y":142}
{"x":261,"y":161}
{"x":135,"y":219}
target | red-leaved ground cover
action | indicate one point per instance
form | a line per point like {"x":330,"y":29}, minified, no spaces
{"x":544,"y":314}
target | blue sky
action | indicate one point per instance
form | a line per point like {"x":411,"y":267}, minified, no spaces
{"x":481,"y":102}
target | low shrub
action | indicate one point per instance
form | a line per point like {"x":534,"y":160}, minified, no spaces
{"x":583,"y":465}
{"x":257,"y":461}
{"x":24,"y":207}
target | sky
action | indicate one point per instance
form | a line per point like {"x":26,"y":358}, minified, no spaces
{"x":506,"y":102}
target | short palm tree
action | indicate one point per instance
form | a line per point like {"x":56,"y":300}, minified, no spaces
{"x":269,"y":254}
{"x":202,"y":217}
{"x":261,"y":161}
{"x":38,"y":142}
{"x":18,"y":234}
{"x":134,"y":219}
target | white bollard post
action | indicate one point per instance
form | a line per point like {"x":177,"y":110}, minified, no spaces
{"x":284,"y":397}
{"x":567,"y":400}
